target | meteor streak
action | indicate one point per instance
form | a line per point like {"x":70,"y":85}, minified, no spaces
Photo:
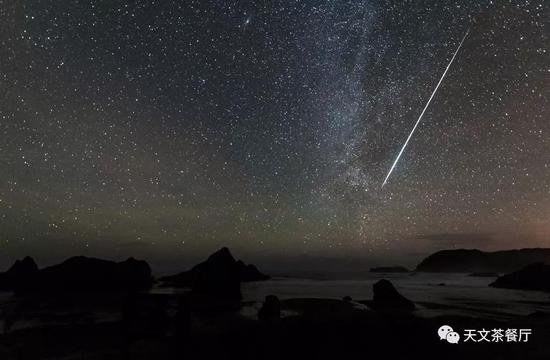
{"x":425,"y":107}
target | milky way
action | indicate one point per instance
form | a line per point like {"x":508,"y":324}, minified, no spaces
{"x":169,"y":128}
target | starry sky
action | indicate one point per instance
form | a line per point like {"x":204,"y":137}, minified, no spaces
{"x":166,"y":129}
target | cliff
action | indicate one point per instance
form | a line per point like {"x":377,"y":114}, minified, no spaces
{"x":471,"y":260}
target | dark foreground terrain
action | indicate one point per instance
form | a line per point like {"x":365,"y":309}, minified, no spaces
{"x":168,"y":327}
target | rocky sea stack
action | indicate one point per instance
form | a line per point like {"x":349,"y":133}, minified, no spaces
{"x":219,"y":276}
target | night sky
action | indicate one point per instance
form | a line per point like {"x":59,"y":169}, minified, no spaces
{"x":166,"y":129}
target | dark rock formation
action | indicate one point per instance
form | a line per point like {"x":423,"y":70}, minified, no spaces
{"x":85,"y":274}
{"x":389,"y":269}
{"x":532,"y":277}
{"x":22,"y":272}
{"x":250,"y":272}
{"x":219,"y":275}
{"x":271,"y":309}
{"x":385,"y":296}
{"x":347,"y":298}
{"x":133,"y":274}
{"x":470,"y":261}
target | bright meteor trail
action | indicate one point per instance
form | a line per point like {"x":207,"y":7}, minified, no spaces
{"x":423,"y":111}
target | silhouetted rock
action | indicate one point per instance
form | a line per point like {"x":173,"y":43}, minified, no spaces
{"x":81,"y":273}
{"x":219,"y":275}
{"x":532,"y":277}
{"x":469,"y":261}
{"x":389,"y":269}
{"x":133,"y":274}
{"x":250,"y":272}
{"x":271,"y":309}
{"x":483,"y":274}
{"x":385,"y":296}
{"x":21,"y":272}
{"x":347,"y":298}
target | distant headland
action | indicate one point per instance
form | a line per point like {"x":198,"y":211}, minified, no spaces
{"x":477,"y":261}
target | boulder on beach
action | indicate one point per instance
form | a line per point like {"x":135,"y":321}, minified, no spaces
{"x":385,"y":296}
{"x":532,"y":277}
{"x":22,"y":271}
{"x":271,"y":309}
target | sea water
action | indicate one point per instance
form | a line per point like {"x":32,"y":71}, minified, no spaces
{"x":434,"y":293}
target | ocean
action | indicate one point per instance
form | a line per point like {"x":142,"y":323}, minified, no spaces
{"x":434,"y":293}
